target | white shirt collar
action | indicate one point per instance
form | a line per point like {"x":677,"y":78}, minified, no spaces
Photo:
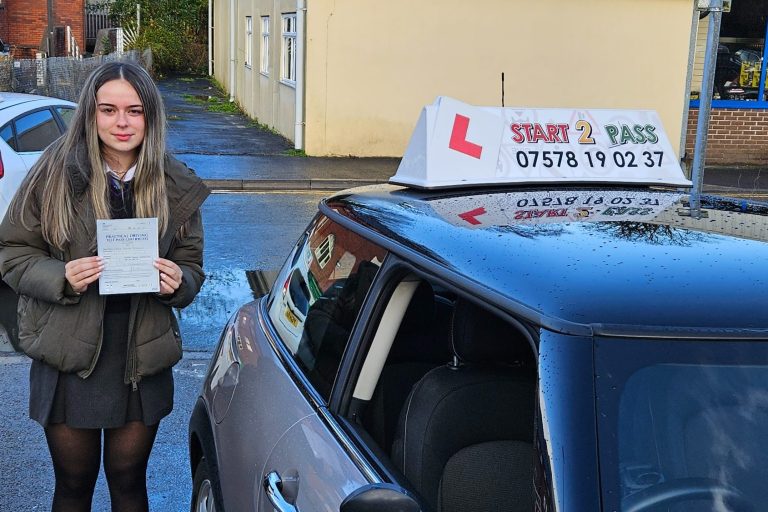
{"x":128,"y":176}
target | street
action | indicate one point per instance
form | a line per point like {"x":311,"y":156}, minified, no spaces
{"x":243,"y":232}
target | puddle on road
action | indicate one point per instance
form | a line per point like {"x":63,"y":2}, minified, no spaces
{"x":223,"y":292}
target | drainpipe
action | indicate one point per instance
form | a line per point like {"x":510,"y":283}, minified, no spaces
{"x":232,"y":29}
{"x":210,"y":35}
{"x":301,"y":14}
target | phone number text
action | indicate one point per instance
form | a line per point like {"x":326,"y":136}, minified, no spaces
{"x":593,"y":159}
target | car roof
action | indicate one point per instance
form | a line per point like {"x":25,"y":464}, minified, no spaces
{"x":674,"y":275}
{"x":11,"y":99}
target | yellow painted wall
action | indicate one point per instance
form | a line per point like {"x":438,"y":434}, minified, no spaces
{"x":221,"y":42}
{"x":262,"y":96}
{"x":372,"y":65}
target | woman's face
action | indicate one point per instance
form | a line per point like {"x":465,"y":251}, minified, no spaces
{"x":120,"y":120}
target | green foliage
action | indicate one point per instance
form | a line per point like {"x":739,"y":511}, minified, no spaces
{"x":295,"y":152}
{"x":175,"y":30}
{"x":106,"y":44}
{"x":227,"y":107}
{"x":214,"y":104}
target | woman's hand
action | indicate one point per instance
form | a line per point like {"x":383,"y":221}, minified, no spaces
{"x":82,"y":272}
{"x":170,"y":276}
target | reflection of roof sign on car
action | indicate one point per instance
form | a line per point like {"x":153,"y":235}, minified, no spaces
{"x":577,"y":347}
{"x":28,"y":124}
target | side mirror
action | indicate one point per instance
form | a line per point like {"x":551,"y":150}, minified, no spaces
{"x":380,"y":498}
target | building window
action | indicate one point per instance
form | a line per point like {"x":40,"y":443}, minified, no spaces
{"x":264,"y":57}
{"x":248,"y":41}
{"x":741,"y":53}
{"x":288,"y":65}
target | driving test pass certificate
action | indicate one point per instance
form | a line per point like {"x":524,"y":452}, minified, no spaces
{"x":129,"y":249}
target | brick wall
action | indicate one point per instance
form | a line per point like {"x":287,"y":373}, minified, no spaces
{"x":27,"y":21}
{"x":736,"y":136}
{"x":72,"y":13}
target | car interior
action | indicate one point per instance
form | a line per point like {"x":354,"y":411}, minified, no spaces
{"x":447,"y":394}
{"x":675,"y":436}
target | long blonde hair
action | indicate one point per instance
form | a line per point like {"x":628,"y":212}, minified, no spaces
{"x":50,"y":180}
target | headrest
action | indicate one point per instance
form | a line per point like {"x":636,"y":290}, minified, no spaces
{"x":479,"y":336}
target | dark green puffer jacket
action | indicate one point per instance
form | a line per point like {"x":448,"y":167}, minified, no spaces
{"x":65,"y":330}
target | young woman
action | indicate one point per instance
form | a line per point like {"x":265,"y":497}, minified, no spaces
{"x":102,"y":363}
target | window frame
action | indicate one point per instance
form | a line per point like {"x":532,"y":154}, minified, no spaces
{"x":744,"y":104}
{"x":60,"y":118}
{"x":248,"y":60}
{"x":288,"y":49}
{"x":60,"y":125}
{"x":264,"y":46}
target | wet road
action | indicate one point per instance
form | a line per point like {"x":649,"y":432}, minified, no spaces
{"x":243,"y":232}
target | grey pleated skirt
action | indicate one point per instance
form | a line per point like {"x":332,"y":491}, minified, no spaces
{"x":102,"y":400}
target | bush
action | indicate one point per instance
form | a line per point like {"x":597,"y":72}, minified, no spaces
{"x":175,"y":30}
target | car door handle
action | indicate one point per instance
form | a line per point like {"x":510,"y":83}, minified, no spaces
{"x":272,"y":486}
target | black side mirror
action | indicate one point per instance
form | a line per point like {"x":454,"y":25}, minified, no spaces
{"x":380,"y":498}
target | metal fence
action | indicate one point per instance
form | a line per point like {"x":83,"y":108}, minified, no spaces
{"x":60,"y":77}
{"x":95,"y":20}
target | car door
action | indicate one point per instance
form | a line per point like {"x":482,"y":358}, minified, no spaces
{"x":314,"y":465}
{"x":279,"y":447}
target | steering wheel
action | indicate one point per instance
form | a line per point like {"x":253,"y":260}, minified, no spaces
{"x":686,"y":489}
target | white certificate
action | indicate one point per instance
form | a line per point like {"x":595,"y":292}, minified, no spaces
{"x":129,"y":248}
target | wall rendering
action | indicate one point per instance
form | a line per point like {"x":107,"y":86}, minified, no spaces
{"x":371,"y":66}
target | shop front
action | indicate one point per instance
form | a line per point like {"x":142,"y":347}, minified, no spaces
{"x":738,"y":128}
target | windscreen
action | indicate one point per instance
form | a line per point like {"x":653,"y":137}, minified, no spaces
{"x":683,"y":425}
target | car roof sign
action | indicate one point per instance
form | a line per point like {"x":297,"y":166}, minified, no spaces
{"x":460,"y":145}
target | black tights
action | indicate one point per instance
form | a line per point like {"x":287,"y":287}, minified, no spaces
{"x":76,"y":452}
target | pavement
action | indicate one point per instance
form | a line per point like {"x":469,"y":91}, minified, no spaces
{"x":254,"y":158}
{"x":249,"y":156}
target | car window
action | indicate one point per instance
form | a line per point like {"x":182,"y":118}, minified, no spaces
{"x":35,"y":131}
{"x":6,"y":132}
{"x":671,"y":412}
{"x":445,"y":373}
{"x":66,"y":114}
{"x":317,"y":296}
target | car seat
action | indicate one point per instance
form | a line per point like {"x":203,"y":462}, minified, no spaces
{"x":417,"y":348}
{"x":465,"y":434}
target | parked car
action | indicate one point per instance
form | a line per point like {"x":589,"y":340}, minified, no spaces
{"x":28,"y":124}
{"x":510,"y":348}
{"x":534,"y":316}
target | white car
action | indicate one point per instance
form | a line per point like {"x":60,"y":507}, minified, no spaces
{"x":28,"y":124}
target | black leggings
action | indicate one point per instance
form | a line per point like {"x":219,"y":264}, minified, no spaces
{"x":76,"y":457}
